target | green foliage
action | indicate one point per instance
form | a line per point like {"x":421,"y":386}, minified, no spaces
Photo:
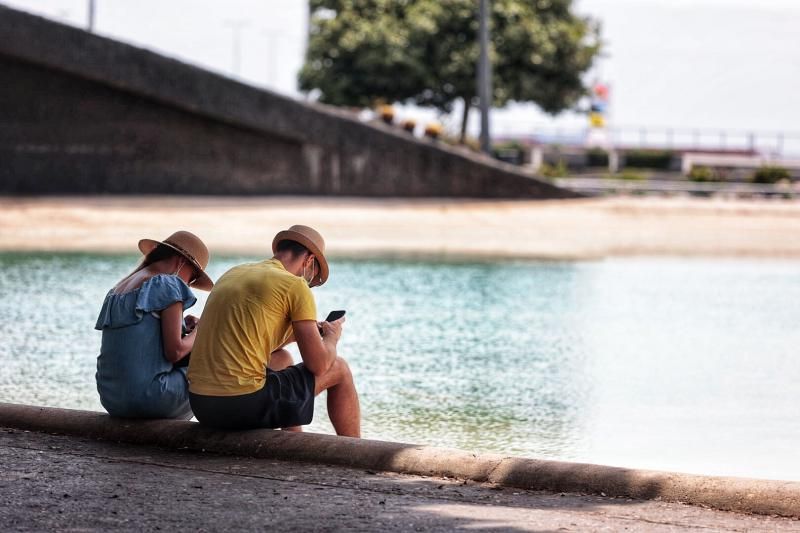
{"x":703,"y":174}
{"x":770,"y":174}
{"x":657,"y":159}
{"x":471,"y":143}
{"x":631,"y":174}
{"x":559,"y":170}
{"x":596,"y":157}
{"x":508,"y":145}
{"x":509,"y":151}
{"x":426,"y":51}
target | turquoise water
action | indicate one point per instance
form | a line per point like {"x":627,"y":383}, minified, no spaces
{"x":683,"y":365}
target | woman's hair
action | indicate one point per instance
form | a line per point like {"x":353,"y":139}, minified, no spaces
{"x":159,"y":253}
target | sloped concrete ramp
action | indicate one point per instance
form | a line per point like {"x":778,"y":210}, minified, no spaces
{"x":80,"y":113}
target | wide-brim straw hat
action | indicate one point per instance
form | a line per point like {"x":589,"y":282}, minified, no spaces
{"x":311,"y":239}
{"x":190,"y":247}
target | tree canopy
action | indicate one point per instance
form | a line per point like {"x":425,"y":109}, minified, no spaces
{"x":426,"y":51}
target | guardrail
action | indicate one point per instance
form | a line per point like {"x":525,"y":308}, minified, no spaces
{"x":734,"y":161}
{"x":776,"y":144}
{"x":672,"y":187}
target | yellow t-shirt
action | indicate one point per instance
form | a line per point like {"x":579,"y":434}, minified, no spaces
{"x":248,"y":315}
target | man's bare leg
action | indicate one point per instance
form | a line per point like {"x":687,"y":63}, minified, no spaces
{"x":279,"y":360}
{"x":343,"y":407}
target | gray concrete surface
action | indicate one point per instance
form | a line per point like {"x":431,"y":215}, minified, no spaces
{"x":735,"y":494}
{"x":53,"y":482}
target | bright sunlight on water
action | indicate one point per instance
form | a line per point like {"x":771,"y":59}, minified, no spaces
{"x":683,"y":365}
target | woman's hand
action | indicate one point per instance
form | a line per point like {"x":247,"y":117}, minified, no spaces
{"x":191,"y":322}
{"x":176,"y":345}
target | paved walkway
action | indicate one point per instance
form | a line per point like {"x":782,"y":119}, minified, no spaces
{"x":66,"y":483}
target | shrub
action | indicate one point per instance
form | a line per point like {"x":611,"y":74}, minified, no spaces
{"x":596,"y":158}
{"x":702,"y":174}
{"x":559,"y":170}
{"x":632,"y":175}
{"x":770,"y":174}
{"x":509,"y":156}
{"x":508,"y":145}
{"x":470,"y":143}
{"x":509,"y":151}
{"x":386,"y":112}
{"x":408,"y":125}
{"x":658,"y":159}
{"x":433,"y":130}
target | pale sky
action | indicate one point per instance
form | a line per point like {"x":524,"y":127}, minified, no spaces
{"x":713,"y":64}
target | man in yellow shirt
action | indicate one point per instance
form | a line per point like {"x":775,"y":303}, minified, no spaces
{"x":240,"y":375}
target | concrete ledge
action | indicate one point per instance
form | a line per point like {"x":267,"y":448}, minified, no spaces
{"x":730,"y":494}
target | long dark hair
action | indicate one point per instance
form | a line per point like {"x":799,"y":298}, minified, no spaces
{"x":159,"y":253}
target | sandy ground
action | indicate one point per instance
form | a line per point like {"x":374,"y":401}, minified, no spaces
{"x":565,"y":229}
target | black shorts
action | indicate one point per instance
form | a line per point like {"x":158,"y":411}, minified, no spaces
{"x":286,"y":400}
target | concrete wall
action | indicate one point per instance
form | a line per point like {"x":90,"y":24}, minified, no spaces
{"x":83,"y":114}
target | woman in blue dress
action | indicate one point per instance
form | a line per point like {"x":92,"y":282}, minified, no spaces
{"x":141,"y":370}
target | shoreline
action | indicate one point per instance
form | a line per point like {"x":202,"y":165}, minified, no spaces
{"x":441,"y":229}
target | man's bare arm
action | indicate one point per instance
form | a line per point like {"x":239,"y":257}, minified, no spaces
{"x":318,"y":353}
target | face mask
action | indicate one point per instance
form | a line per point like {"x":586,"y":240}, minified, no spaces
{"x":309,"y":281}
{"x":180,"y":266}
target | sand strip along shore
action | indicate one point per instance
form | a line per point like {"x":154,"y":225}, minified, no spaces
{"x":425,"y":228}
{"x":724,"y":493}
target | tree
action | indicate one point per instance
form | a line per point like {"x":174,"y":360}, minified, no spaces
{"x":426,"y":51}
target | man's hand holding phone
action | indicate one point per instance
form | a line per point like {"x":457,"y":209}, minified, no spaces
{"x":331,"y":328}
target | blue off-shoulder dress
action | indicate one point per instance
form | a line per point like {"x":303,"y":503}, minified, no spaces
{"x":134,"y":378}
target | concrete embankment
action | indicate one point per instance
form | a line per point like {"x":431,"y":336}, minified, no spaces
{"x":84,"y":114}
{"x":733,"y":494}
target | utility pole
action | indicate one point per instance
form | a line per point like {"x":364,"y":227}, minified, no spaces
{"x":236,"y":26}
{"x":272,"y":55}
{"x":485,"y":77}
{"x":90,"y":24}
{"x":274,"y":37}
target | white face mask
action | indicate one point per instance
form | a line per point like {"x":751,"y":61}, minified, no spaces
{"x":309,"y":281}
{"x":180,"y":266}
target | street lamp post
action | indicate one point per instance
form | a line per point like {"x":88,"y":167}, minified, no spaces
{"x":484,"y":77}
{"x":275,"y":37}
{"x":90,"y":23}
{"x":236,"y":25}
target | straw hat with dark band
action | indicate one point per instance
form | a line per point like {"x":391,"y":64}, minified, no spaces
{"x":311,"y":239}
{"x":189,"y":246}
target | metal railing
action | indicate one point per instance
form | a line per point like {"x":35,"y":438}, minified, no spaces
{"x":774,"y":144}
{"x":676,"y":187}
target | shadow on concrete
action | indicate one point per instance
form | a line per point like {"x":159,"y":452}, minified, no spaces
{"x":57,"y":482}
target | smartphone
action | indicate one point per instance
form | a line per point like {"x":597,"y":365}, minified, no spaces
{"x":333,"y":315}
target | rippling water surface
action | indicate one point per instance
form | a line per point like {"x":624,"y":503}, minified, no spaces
{"x":657,"y":363}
